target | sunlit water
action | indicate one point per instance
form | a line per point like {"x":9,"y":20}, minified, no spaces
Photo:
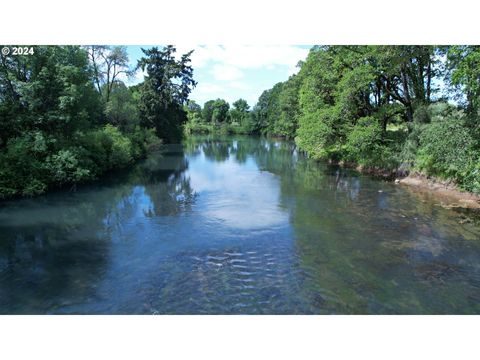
{"x":237,"y":226}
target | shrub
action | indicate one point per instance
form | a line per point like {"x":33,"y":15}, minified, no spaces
{"x":23,"y":171}
{"x":65,"y":168}
{"x":365,"y":145}
{"x":471,"y":178}
{"x":119,"y":149}
{"x":317,"y":134}
{"x":445,"y":148}
{"x":143,"y":141}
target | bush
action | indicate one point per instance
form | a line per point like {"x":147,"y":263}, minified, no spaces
{"x":22,"y":171}
{"x":33,"y":162}
{"x":445,"y":148}
{"x":107,"y":148}
{"x":118,"y":149}
{"x":471,"y":178}
{"x":143,"y":141}
{"x":365,"y":145}
{"x":194,"y":127}
{"x":65,"y":168}
{"x":317,"y":134}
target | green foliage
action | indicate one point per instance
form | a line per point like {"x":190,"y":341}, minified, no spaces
{"x":122,"y":109}
{"x":445,"y":147}
{"x":286,"y":122}
{"x":240,"y":112}
{"x":65,"y":168}
{"x":194,"y":127}
{"x":22,"y":171}
{"x":463,"y":64}
{"x":376,"y":106}
{"x":470,"y":180}
{"x":207,"y":111}
{"x":52,"y":120}
{"x":317,"y":133}
{"x":164,"y":92}
{"x":220,"y":112}
{"x":143,"y":142}
{"x":365,"y":145}
{"x":117,"y":147}
{"x":222,"y":128}
{"x":217,"y":117}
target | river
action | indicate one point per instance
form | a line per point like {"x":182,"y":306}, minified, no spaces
{"x":237,"y":225}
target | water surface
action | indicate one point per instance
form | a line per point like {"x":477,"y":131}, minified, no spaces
{"x":237,"y":226}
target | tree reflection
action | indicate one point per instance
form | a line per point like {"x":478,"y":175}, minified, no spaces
{"x":368,"y":247}
{"x":166,"y":183}
{"x":55,"y":249}
{"x":359,"y":245}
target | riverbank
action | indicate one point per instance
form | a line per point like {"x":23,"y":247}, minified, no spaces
{"x":97,"y":153}
{"x":448,"y":192}
{"x":192,"y":128}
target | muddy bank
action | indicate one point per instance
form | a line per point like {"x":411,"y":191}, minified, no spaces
{"x":449,"y":195}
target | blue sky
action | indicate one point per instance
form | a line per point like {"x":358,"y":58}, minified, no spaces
{"x":231,"y":72}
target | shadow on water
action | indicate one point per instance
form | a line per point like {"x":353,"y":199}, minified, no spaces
{"x":56,"y":249}
{"x":229,"y":225}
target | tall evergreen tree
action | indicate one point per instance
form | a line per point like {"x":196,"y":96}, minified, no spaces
{"x":168,"y":83}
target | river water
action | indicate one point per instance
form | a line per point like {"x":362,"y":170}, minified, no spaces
{"x":237,"y":225}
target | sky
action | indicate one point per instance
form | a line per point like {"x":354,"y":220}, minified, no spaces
{"x":232,"y":72}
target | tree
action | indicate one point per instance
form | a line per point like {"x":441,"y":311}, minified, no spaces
{"x":194,"y":107}
{"x":194,"y":111}
{"x":165,"y":90}
{"x":108,"y":64}
{"x":216,"y":111}
{"x":241,"y":105}
{"x":53,"y":101}
{"x":406,"y":73}
{"x":240,"y":111}
{"x":51,"y":130}
{"x":207,"y":111}
{"x":287,"y":122}
{"x":122,"y":109}
{"x":463,"y":73}
{"x":259,"y":115}
{"x":220,"y":111}
{"x":51,"y":91}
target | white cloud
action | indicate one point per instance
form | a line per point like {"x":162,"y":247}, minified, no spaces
{"x":238,"y":71}
{"x":245,"y":56}
{"x":226,"y":72}
{"x":254,"y":212}
{"x":209,"y":88}
{"x":241,"y":85}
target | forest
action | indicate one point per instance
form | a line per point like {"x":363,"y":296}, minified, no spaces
{"x":393,"y":110}
{"x":67,"y":115}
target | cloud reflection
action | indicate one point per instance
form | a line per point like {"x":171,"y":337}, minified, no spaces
{"x":238,"y":196}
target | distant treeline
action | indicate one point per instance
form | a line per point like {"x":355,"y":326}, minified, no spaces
{"x":398,"y":108}
{"x":66,"y":115}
